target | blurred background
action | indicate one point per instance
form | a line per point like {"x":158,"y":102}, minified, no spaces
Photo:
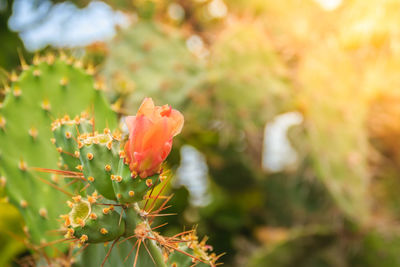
{"x":290,"y":154}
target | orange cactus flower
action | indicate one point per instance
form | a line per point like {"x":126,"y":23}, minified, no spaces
{"x":150,"y":137}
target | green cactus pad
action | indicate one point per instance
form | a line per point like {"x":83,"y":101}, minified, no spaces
{"x":150,"y":60}
{"x":131,"y":188}
{"x":65,"y":133}
{"x":48,"y":89}
{"x":99,"y":157}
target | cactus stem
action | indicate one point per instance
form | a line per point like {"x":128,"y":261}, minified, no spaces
{"x":143,"y":231}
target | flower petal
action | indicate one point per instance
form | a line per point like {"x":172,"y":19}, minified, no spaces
{"x":150,"y":136}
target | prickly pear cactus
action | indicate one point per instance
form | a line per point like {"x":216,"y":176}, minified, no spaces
{"x":111,"y":207}
{"x":49,"y":88}
{"x":70,"y":176}
{"x":150,"y":60}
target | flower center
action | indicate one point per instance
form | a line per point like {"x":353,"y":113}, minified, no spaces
{"x":165,"y":111}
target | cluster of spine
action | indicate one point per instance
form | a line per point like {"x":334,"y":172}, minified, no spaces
{"x":107,"y":207}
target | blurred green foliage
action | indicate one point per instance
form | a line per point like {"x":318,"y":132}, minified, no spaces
{"x":11,"y":234}
{"x":10,"y":48}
